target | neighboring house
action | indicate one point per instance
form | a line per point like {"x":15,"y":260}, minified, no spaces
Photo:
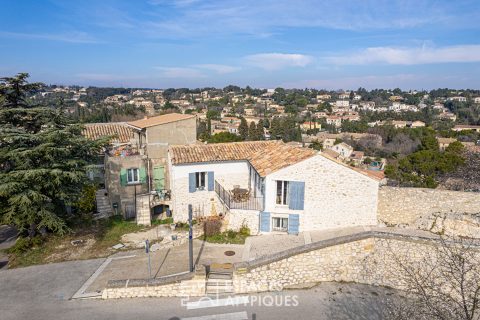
{"x":343,"y":149}
{"x":323,"y":97}
{"x":447,"y":116}
{"x":250,"y":112}
{"x":458,"y":98}
{"x":288,"y":189}
{"x":342,"y":103}
{"x":443,"y":143}
{"x":416,"y":124}
{"x":136,"y":172}
{"x":357,"y":157}
{"x":310,"y":125}
{"x":334,"y":120}
{"x":399,"y":123}
{"x":461,"y":127}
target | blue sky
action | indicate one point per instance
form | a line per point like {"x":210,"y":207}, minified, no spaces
{"x":193,"y":43}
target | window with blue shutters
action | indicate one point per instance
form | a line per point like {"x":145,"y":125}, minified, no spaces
{"x":265,"y":221}
{"x":211,"y":181}
{"x":293,"y":223}
{"x":296,"y":192}
{"x":201,"y":181}
{"x":191,"y":182}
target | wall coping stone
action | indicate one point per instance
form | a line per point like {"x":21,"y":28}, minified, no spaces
{"x":432,"y":239}
{"x":199,"y":271}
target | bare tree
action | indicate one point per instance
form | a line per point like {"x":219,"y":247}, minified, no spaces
{"x":443,"y":284}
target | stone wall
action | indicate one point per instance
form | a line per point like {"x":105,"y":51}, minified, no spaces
{"x":371,"y":260}
{"x":439,"y":211}
{"x":143,"y":210}
{"x":369,"y":257}
{"x":189,"y":284}
{"x":237,"y":218}
{"x":123,"y":195}
{"x":335,"y":195}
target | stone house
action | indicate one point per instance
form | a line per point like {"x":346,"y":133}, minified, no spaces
{"x":270,"y":186}
{"x":343,"y":149}
{"x":443,"y":143}
{"x":136,"y":177}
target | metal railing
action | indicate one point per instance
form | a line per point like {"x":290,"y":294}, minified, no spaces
{"x":252,"y":203}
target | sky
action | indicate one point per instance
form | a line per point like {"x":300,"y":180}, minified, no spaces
{"x":420,"y":44}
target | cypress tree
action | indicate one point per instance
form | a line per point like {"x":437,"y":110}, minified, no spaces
{"x":243,"y":129}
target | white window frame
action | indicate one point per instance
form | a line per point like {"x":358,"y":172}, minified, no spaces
{"x":133,"y":176}
{"x":200,"y":180}
{"x":284,"y":196}
{"x":282,"y":224}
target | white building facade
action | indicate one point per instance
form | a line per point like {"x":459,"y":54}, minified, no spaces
{"x":304,"y":191}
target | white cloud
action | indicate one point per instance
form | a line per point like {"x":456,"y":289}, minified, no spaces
{"x":73,"y":37}
{"x":276,"y":61}
{"x":410,"y":56}
{"x":192,"y":18}
{"x":218,"y":68}
{"x":178,"y":72}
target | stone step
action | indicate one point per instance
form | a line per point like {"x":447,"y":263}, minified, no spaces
{"x":219,"y":282}
{"x":215,"y":290}
{"x":218,"y":275}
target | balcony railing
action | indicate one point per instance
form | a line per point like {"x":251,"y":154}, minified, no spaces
{"x":251,"y":203}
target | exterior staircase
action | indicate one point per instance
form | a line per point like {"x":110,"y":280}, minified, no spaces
{"x":104,"y":208}
{"x":219,"y":283}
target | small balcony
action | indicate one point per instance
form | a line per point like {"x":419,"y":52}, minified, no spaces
{"x":124,"y":151}
{"x":240,"y":199}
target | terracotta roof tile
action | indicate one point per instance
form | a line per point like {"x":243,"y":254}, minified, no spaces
{"x":121,"y":132}
{"x":154,"y":121}
{"x":265,"y":156}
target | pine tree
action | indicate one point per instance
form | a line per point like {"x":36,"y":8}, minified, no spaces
{"x":43,"y":160}
{"x":260,"y":131}
{"x":243,"y":129}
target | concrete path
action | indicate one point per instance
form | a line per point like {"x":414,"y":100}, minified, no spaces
{"x":174,"y":260}
{"x":259,"y":246}
{"x":164,"y":262}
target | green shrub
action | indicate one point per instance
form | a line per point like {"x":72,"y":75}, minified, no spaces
{"x":163,"y":221}
{"x":24,"y":243}
{"x":244,"y":230}
{"x":231,"y":234}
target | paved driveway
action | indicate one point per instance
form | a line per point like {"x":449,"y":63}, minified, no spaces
{"x":42,"y":292}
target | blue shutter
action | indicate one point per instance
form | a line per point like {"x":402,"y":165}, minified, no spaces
{"x":296,"y":190}
{"x":191,"y":182}
{"x":211,"y":181}
{"x":293,"y":223}
{"x":265,"y":221}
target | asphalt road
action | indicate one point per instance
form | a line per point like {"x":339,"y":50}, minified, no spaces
{"x":8,"y":235}
{"x":43,"y":292}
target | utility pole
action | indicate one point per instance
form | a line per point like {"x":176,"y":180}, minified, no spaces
{"x":147,"y":250}
{"x":190,"y":237}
